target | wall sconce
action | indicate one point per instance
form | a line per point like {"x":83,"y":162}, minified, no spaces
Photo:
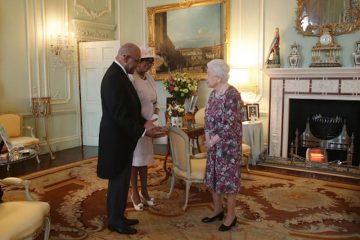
{"x":61,"y":47}
{"x":240,"y":79}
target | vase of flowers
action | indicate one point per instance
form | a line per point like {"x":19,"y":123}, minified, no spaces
{"x":180,"y":86}
{"x":176,"y":112}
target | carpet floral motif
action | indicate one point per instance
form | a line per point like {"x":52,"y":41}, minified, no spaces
{"x":269,"y":206}
{"x":294,"y":198}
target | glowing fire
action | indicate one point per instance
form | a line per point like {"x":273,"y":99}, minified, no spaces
{"x":316,"y":155}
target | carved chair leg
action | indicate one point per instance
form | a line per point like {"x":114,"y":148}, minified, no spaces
{"x":171,"y":186}
{"x":46,"y":227}
{"x":37,"y":159}
{"x":188,"y":184}
{"x":247,"y":156}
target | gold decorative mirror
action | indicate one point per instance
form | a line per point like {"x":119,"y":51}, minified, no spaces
{"x":340,"y":16}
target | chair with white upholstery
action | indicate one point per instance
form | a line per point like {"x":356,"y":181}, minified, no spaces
{"x":200,"y":119}
{"x":187,"y":167}
{"x":23,"y":219}
{"x":200,"y":116}
{"x":12,"y":123}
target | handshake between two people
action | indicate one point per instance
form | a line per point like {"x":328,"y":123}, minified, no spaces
{"x":154,"y":131}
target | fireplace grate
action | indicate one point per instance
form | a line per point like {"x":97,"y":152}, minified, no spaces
{"x":325,"y":133}
{"x":326,"y":128}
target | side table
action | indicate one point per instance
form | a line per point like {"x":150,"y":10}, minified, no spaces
{"x":253,"y":136}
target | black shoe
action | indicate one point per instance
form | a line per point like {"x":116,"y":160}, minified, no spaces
{"x":129,"y":222}
{"x":123,"y":229}
{"x":220,"y":217}
{"x":224,"y":228}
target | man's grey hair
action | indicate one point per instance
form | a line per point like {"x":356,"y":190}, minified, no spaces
{"x":220,"y":68}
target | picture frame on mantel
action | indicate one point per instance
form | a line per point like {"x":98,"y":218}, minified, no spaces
{"x":188,"y":35}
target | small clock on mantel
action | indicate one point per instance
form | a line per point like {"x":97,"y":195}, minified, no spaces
{"x":326,"y":53}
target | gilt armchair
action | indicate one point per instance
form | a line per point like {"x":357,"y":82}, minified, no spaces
{"x":12,"y":124}
{"x":187,"y":167}
{"x":200,"y":119}
{"x":23,"y":219}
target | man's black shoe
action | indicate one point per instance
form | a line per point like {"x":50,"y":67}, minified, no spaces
{"x":129,"y":222}
{"x":123,"y":229}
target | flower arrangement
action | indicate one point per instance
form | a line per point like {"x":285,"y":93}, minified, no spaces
{"x":180,"y":86}
{"x":176,"y":110}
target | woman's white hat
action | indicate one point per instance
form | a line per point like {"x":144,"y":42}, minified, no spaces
{"x":149,"y":52}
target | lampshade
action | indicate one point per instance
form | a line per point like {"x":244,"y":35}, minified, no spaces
{"x":239,"y":78}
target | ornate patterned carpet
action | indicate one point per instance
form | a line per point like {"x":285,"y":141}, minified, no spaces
{"x":270,"y":206}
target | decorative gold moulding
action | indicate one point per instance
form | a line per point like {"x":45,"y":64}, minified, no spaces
{"x":314,"y":15}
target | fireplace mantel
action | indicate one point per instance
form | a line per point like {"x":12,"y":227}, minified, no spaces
{"x":306,"y":83}
{"x":313,"y":72}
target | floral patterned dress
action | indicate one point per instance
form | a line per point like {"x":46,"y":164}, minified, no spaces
{"x":223,"y":117}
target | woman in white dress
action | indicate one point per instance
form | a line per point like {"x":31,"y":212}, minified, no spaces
{"x":145,"y":86}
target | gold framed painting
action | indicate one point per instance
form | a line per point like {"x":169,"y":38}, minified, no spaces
{"x":188,"y":35}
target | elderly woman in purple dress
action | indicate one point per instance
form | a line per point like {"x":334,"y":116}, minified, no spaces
{"x":223,"y":134}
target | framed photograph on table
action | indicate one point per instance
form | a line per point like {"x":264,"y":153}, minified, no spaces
{"x":252,"y":112}
{"x":190,"y":104}
{"x":187,"y":35}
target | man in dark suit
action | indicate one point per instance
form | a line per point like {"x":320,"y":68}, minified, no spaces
{"x":120,"y":128}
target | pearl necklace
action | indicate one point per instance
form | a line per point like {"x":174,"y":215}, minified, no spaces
{"x":222,"y":90}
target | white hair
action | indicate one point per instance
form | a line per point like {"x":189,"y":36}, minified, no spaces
{"x":220,"y":68}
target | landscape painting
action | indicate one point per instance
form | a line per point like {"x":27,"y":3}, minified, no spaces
{"x":188,"y":38}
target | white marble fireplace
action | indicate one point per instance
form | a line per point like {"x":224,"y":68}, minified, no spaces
{"x":304,"y":83}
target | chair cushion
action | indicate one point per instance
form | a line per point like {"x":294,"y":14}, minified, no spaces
{"x":24,"y":141}
{"x":198,"y":167}
{"x":246,"y":149}
{"x":19,"y":219}
{"x":199,"y":119}
{"x":11,"y":123}
{"x":199,"y":116}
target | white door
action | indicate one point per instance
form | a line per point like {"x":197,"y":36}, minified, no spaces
{"x":95,"y":58}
